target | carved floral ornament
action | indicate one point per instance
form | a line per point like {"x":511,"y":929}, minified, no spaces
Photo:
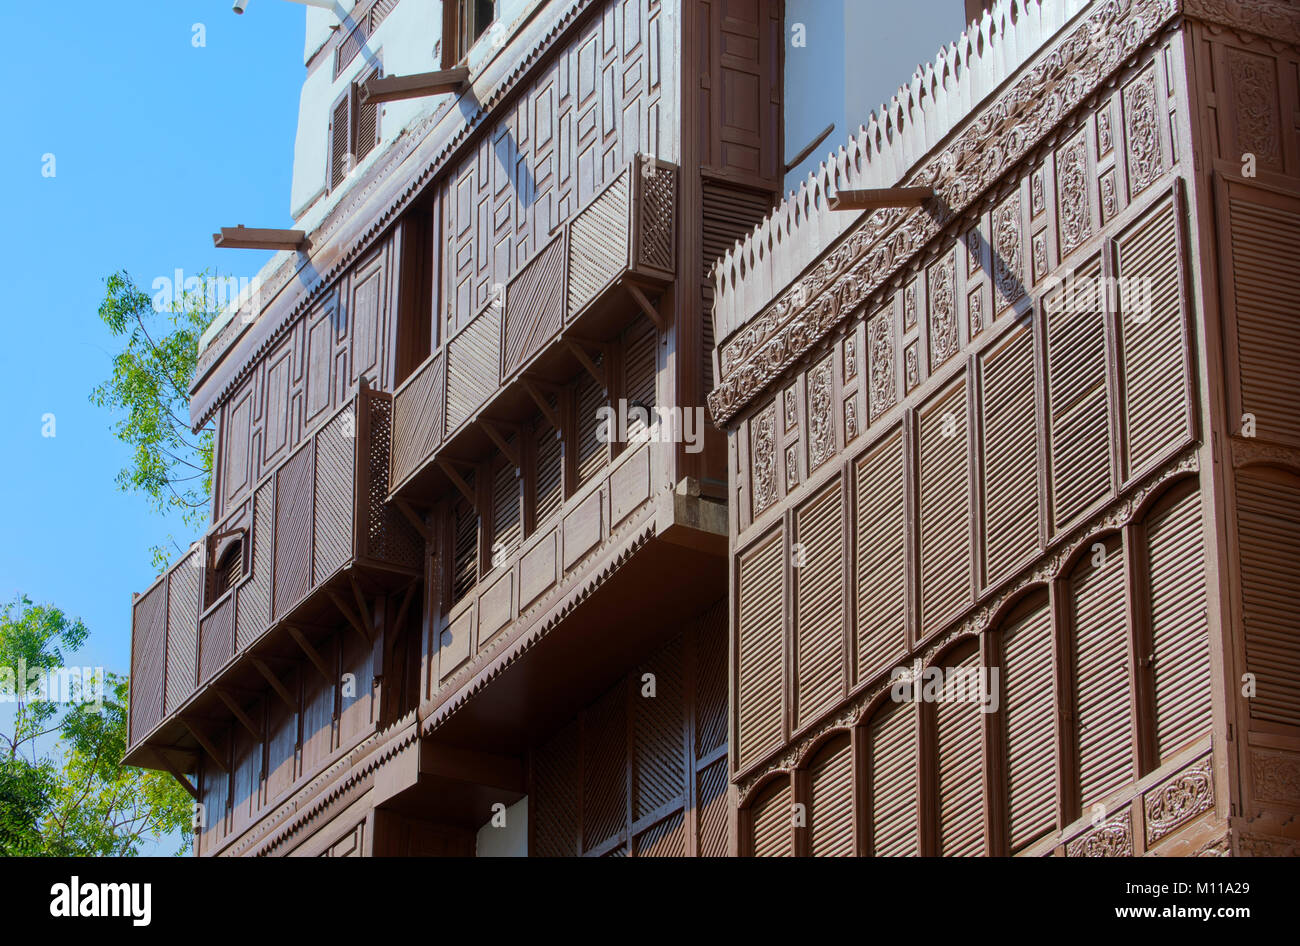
{"x":992,"y":143}
{"x":859,"y":709}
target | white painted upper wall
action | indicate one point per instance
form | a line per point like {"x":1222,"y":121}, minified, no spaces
{"x":407,"y":42}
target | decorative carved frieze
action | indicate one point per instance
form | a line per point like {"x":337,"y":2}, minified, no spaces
{"x":944,"y":340}
{"x":1145,"y":161}
{"x":1277,"y":19}
{"x":1074,"y":211}
{"x":821,"y":424}
{"x":880,"y":362}
{"x":1276,"y":777}
{"x":1114,"y":838}
{"x":1254,"y":92}
{"x":1008,"y":260}
{"x":1262,"y":845}
{"x":1178,"y":800}
{"x":762,"y":459}
{"x":1001,"y":134}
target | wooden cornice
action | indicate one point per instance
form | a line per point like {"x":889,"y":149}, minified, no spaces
{"x":396,"y":88}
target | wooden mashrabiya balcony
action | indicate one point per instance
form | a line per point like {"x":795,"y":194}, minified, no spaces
{"x":580,"y":287}
{"x":296,"y":559}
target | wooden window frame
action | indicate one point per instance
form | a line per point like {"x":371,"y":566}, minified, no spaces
{"x":352,"y":98}
{"x":456,"y":45}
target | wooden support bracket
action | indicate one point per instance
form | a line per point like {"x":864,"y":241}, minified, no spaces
{"x":257,"y":238}
{"x":539,"y":398}
{"x":878,"y":197}
{"x":651,"y":312}
{"x":345,"y":609}
{"x":458,"y":481}
{"x":585,"y":360}
{"x":415,"y":519}
{"x":269,"y":675}
{"x":312,"y":653}
{"x":510,"y":453}
{"x":396,"y":88}
{"x":161,"y":756}
{"x":233,"y":705}
{"x":207,"y":742}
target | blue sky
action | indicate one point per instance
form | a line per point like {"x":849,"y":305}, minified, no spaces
{"x":157,"y":144}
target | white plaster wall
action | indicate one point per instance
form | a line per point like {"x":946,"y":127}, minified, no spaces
{"x":404,"y":43}
{"x":510,"y":840}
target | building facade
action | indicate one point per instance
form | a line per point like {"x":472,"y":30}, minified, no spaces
{"x":486,"y":576}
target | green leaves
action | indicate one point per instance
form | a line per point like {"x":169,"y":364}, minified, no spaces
{"x":73,"y":797}
{"x":149,"y":392}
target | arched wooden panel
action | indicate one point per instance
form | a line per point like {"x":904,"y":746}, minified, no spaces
{"x":1179,"y":623}
{"x":1103,"y":683}
{"x":1268,"y":524}
{"x":892,"y":781}
{"x":945,"y":541}
{"x":1079,"y":411}
{"x":830,"y":812}
{"x":881,"y":556}
{"x":1009,"y":444}
{"x":760,"y":681}
{"x":959,"y":738}
{"x":772,"y":822}
{"x":1030,"y":717}
{"x":819,"y":604}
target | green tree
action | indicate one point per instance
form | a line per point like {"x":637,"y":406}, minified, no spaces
{"x":63,"y":789}
{"x":149,"y":389}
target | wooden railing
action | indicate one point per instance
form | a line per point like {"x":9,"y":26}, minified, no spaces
{"x":627,"y":229}
{"x":318,"y":513}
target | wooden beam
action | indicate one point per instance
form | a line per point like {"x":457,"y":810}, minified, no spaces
{"x":581,"y":354}
{"x":878,"y":197}
{"x":206,"y":742}
{"x":799,"y":158}
{"x":176,"y":773}
{"x":364,"y":611}
{"x":346,"y":611}
{"x":511,"y":453}
{"x":269,"y":675}
{"x":458,"y":482}
{"x":255,"y":238}
{"x":396,"y":88}
{"x":640,"y":299}
{"x":233,"y":705}
{"x":312,"y":654}
{"x":539,"y":398}
{"x":414,"y":519}
{"x":407,"y":598}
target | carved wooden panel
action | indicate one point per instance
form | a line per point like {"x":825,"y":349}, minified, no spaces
{"x":571,"y":131}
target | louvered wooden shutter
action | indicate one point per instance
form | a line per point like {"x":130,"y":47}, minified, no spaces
{"x":340,"y":139}
{"x":819,"y":604}
{"x":550,"y":456}
{"x":1179,"y":625}
{"x":464,"y":574}
{"x":1010,"y":469}
{"x":945,"y":509}
{"x":505,"y":510}
{"x":959,"y":725}
{"x":639,"y":375}
{"x":1154,"y":373}
{"x":773,"y":823}
{"x":367,"y":120}
{"x":658,"y":724}
{"x":1103,"y":684}
{"x":760,"y":680}
{"x":1266,"y":292}
{"x":1029,"y":712}
{"x":892,"y":781}
{"x":604,"y":768}
{"x":881,"y":559}
{"x":592,"y":454}
{"x":555,"y":803}
{"x":1268,"y":523}
{"x":830,"y":814}
{"x":1079,"y":442}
